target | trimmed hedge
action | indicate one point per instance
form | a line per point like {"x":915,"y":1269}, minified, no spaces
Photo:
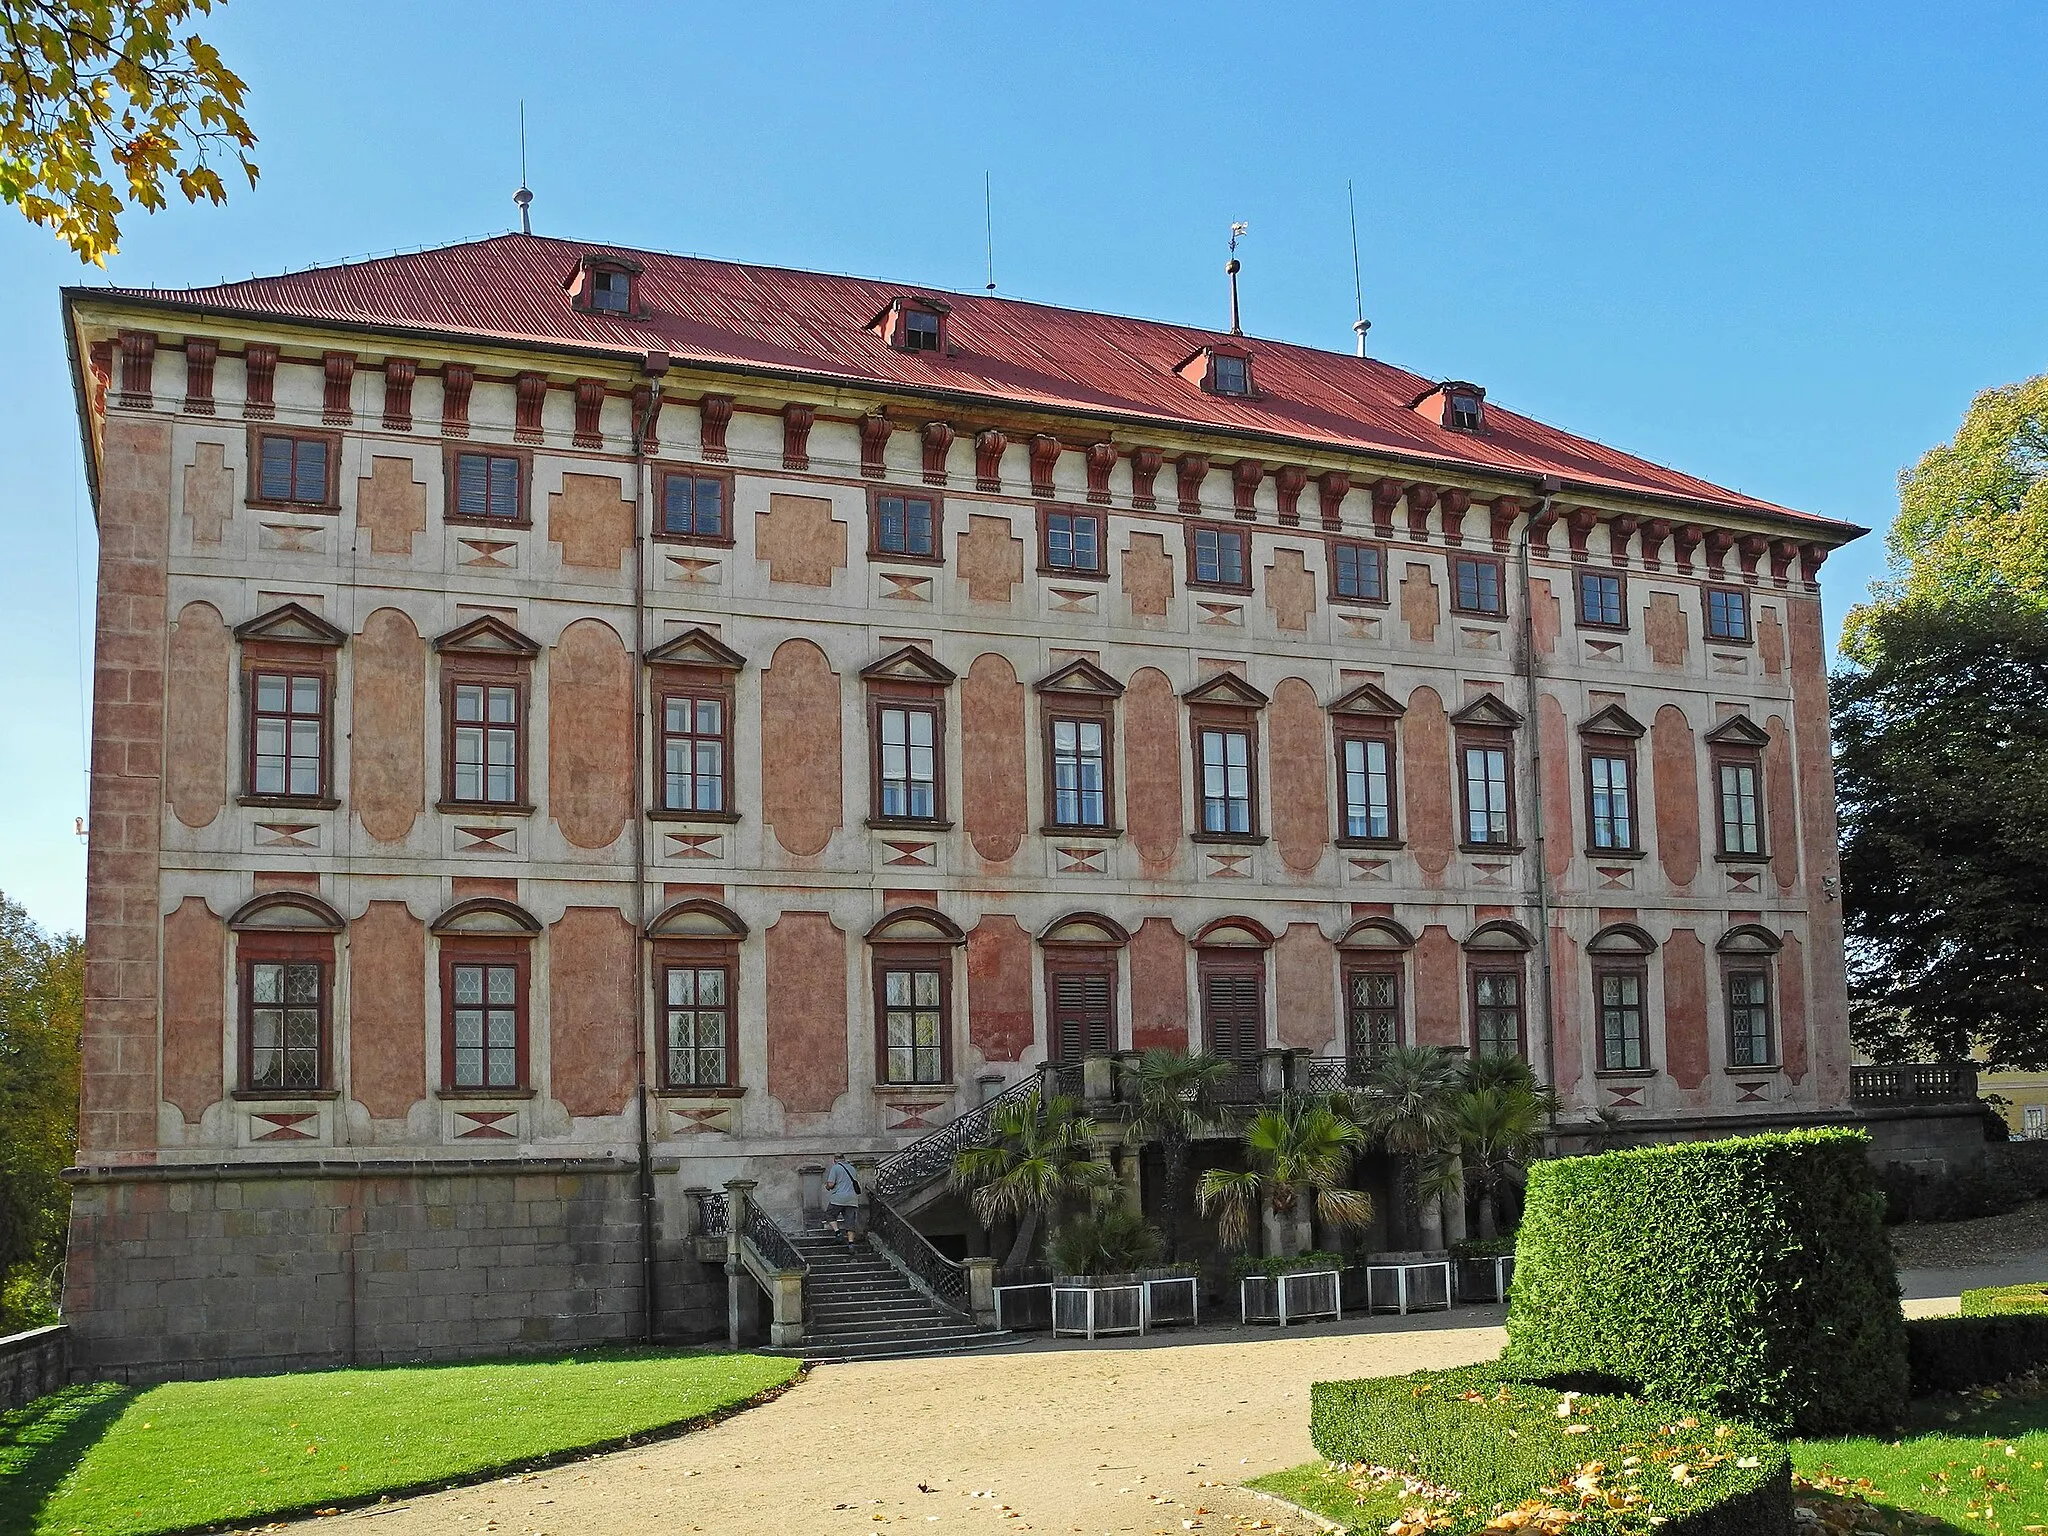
{"x":1750,"y":1277}
{"x":1999,"y":1301}
{"x":1470,"y":1445}
{"x":1954,"y":1354}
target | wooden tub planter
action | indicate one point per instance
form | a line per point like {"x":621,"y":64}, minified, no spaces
{"x":1093,"y":1306}
{"x":1487,"y":1278}
{"x":1403,"y":1283}
{"x":1292,"y":1296}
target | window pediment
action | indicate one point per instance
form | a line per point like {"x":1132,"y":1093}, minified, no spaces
{"x":1487,"y":712}
{"x":287,"y":912}
{"x":1613,"y":721}
{"x":486,"y":636}
{"x":696,"y":647}
{"x":1235,"y":933}
{"x":697,"y":918}
{"x":1225,"y":690}
{"x":1739,"y":731}
{"x":1080,"y":676}
{"x":1376,"y":933}
{"x":1501,"y":934}
{"x":1749,"y":939}
{"x":1368,"y":700}
{"x":910,"y":665}
{"x":1087,"y":929}
{"x":1621,"y":939}
{"x":484,"y":916}
{"x":292,"y":624}
{"x":916,"y":925}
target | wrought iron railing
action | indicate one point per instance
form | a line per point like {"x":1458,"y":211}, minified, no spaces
{"x":1069,"y":1081}
{"x":711,"y":1213}
{"x":770,"y":1241}
{"x":931,"y":1157}
{"x":1245,"y":1085}
{"x":888,"y":1228}
{"x":1333,"y":1074}
{"x":1946,"y":1082}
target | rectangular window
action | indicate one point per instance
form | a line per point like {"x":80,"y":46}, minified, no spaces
{"x":1741,"y":821}
{"x":1487,"y":808}
{"x":484,"y":759}
{"x":1073,"y":542}
{"x":487,"y":487}
{"x":1600,"y":600}
{"x":1226,"y":781}
{"x":693,"y":506}
{"x":287,"y":1005}
{"x":1727,"y":613}
{"x":1358,"y":572}
{"x":1079,"y":773}
{"x":904,"y":525}
{"x":693,"y":753}
{"x":920,"y":331}
{"x":913,"y":1026}
{"x":611,"y":291}
{"x":1475,"y":586}
{"x":1083,"y":1012}
{"x":1497,"y":1012}
{"x":1611,"y":802}
{"x":294,"y":470}
{"x":483,"y":1025}
{"x":909,"y":767}
{"x":1621,"y":1021}
{"x":1372,"y":1013}
{"x":1749,"y":1019}
{"x":699,"y":1011}
{"x":1232,"y":375}
{"x":1233,"y":1014}
{"x":1368,"y":787}
{"x":287,"y":733}
{"x":1219,"y":557}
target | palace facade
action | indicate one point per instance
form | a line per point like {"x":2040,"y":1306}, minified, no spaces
{"x":576,"y":726}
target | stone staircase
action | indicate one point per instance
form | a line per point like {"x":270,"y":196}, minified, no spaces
{"x":858,"y":1306}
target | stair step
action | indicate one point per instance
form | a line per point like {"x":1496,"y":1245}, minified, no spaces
{"x":825,"y":1352}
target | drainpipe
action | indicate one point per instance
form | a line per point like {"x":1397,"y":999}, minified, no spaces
{"x":1546,"y":488}
{"x":656,"y":367}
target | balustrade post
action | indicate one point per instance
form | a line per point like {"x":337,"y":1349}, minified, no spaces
{"x":1273,"y":1072}
{"x":981,"y":1290}
{"x":737,"y":1192}
{"x":812,"y":1178}
{"x":864,"y":1170}
{"x":1098,"y":1079}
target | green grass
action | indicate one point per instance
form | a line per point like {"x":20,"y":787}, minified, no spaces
{"x":1978,"y":1461}
{"x":2031,"y":1297}
{"x":113,"y":1461}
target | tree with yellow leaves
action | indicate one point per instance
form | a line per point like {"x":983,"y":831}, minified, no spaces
{"x":104,"y":104}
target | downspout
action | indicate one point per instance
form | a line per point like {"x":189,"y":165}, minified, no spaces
{"x":656,"y":367}
{"x":1546,"y":488}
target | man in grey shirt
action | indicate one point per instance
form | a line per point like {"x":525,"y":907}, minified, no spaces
{"x":842,"y":1197}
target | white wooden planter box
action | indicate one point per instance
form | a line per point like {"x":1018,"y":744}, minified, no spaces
{"x":1292,"y":1297}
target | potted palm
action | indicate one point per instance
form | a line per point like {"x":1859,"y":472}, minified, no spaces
{"x":1039,"y":1162}
{"x":1299,"y":1153}
{"x":1171,"y":1097}
{"x":1409,"y":1104}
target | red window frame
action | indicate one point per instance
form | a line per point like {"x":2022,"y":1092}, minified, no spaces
{"x":511,"y":953}
{"x":1077,"y":1028}
{"x":1622,"y":974}
{"x":1480,"y":972}
{"x":293,"y":673}
{"x":913,"y":958}
{"x":694,"y":694}
{"x":1367,"y":736}
{"x":1356,"y":1010}
{"x":723,"y":962}
{"x":280,"y":948}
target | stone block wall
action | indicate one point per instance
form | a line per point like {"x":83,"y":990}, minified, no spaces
{"x":33,"y":1363}
{"x":226,"y":1269}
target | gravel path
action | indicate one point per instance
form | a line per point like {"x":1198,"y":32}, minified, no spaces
{"x":1984,"y":1243}
{"x":1134,"y":1437}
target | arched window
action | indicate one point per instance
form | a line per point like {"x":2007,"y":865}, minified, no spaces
{"x":1374,"y":953}
{"x":1495,"y":969}
{"x":284,"y":967}
{"x":912,"y":950}
{"x":1748,"y":965}
{"x":1080,"y":963}
{"x":486,"y":969}
{"x":1621,"y":996}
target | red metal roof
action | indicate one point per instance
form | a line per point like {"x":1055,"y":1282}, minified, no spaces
{"x":509,"y":288}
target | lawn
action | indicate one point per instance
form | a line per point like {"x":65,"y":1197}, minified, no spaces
{"x":113,"y":1461}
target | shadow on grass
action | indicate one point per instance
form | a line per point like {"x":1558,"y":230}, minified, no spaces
{"x":41,"y":1443}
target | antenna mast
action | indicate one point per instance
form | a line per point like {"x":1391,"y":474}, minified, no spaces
{"x":523,"y":197}
{"x":988,"y":216}
{"x":1361,"y":325}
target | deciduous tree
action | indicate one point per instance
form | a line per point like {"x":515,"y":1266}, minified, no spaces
{"x":42,"y":984}
{"x":104,"y":105}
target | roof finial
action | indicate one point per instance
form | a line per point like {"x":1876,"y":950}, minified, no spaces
{"x":523,"y":197}
{"x":1230,"y":268}
{"x":1361,"y":325}
{"x":988,"y":215}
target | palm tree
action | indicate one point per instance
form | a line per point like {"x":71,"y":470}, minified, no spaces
{"x":1409,"y":1104}
{"x":1172,"y":1099}
{"x":1300,"y":1152}
{"x":1498,"y":1130}
{"x":1038,"y":1162}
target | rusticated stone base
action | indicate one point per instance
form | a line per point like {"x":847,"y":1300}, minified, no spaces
{"x":226,"y":1269}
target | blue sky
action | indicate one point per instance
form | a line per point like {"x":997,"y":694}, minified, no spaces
{"x":1777,"y":246}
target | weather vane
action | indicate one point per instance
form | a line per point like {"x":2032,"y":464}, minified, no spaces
{"x":1237,"y":231}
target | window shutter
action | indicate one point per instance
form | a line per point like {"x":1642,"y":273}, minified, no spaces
{"x":1082,"y":1024}
{"x":472,"y":492}
{"x":311,"y":479}
{"x":277,"y":469}
{"x":505,"y":487}
{"x":1230,"y":1005}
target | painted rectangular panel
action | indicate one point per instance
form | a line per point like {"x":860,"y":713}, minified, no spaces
{"x":195,"y":1007}
{"x":1159,"y":987}
{"x":590,"y":1011}
{"x":387,"y":1014}
{"x":807,"y":1011}
{"x":999,"y":1021}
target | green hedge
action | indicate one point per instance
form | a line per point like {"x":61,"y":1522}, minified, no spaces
{"x":1471,"y":1444}
{"x":1954,"y":1354}
{"x":2001,"y":1300}
{"x":1750,"y":1277}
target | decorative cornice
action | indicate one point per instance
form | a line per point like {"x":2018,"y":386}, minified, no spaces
{"x":938,"y":443}
{"x":989,"y":444}
{"x":1500,"y":524}
{"x":336,"y":407}
{"x":530,"y":393}
{"x":1289,"y":480}
{"x":647,"y":404}
{"x":589,"y":414}
{"x":457,"y":379}
{"x":1145,"y":465}
{"x":1101,"y":459}
{"x":714,"y":412}
{"x":1191,"y":469}
{"x":1386,"y":495}
{"x":875,"y":428}
{"x":796,"y":434}
{"x":1421,"y":497}
{"x":1045,"y":457}
{"x":1452,"y":504}
{"x":200,"y":351}
{"x":1620,"y":530}
{"x":138,"y":365}
{"x":1246,"y":475}
{"x":259,"y":367}
{"x":399,"y":373}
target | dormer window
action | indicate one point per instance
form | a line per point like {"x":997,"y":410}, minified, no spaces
{"x":1219,"y":370}
{"x":1455,"y":405}
{"x":611,"y":291}
{"x":913,"y":325}
{"x":605,"y":285}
